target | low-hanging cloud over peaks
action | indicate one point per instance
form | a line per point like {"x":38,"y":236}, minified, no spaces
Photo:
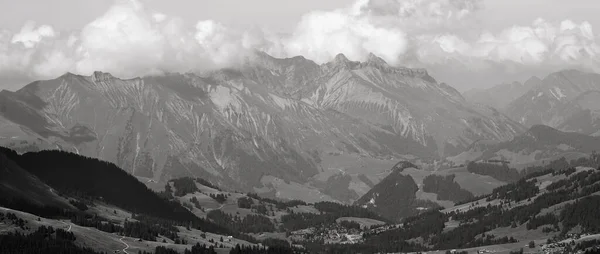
{"x":130,"y":40}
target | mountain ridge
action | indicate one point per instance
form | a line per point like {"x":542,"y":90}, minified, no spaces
{"x":537,"y":144}
{"x":501,"y":95}
{"x":548,"y":101}
{"x":283,"y":118}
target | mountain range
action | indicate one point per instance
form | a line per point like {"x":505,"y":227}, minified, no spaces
{"x":267,"y":125}
{"x":500,"y":96}
{"x":539,"y":143}
{"x":201,"y":163}
{"x":567,"y":100}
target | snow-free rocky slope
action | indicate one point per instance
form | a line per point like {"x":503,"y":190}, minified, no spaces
{"x":567,"y":100}
{"x":267,"y":120}
{"x":500,"y":96}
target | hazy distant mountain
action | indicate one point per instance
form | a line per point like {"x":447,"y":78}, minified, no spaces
{"x":502,"y":95}
{"x":551,"y":102}
{"x":539,"y":142}
{"x":267,"y":119}
{"x":582,"y":114}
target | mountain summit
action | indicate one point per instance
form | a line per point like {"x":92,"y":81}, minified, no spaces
{"x":551,"y":101}
{"x":288,"y":119}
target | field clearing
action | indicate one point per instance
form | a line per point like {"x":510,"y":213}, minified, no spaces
{"x":474,"y":183}
{"x":151,"y":183}
{"x":499,"y":248}
{"x":433,"y":197}
{"x":449,"y":225}
{"x":267,"y":235}
{"x":293,"y":190}
{"x":111,"y":213}
{"x":522,"y":234}
{"x":471,"y":205}
{"x":87,"y":237}
{"x":568,"y":156}
{"x":354,"y":165}
{"x":192,"y":236}
{"x":304,"y":209}
{"x":417,"y":174}
{"x":364,"y":222}
{"x":507,"y":248}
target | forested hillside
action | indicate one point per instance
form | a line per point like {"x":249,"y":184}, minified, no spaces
{"x":555,"y":199}
{"x":70,"y":173}
{"x":574,"y":196}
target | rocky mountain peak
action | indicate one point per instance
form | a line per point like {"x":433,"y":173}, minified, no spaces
{"x":550,"y":101}
{"x":99,"y":76}
{"x":532,"y":82}
{"x":568,"y":72}
{"x":263,"y":60}
{"x":341,"y":59}
{"x":372,"y":59}
{"x":341,"y":62}
{"x":69,"y":74}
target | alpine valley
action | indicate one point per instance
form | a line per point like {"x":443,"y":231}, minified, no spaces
{"x":289,"y":156}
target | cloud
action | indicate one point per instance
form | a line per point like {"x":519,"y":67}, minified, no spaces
{"x":382,"y":27}
{"x":29,"y":35}
{"x":420,"y":15}
{"x":129,"y":40}
{"x":125,"y":39}
{"x":543,"y":43}
{"x":159,"y":17}
{"x":322,"y":35}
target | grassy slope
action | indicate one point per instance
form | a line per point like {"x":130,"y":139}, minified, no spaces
{"x":103,"y":241}
{"x":364,"y":222}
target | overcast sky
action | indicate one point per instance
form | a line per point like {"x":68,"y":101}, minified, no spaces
{"x":278,"y":14}
{"x":484,"y":41}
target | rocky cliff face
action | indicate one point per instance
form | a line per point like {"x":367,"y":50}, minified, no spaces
{"x":278,"y":118}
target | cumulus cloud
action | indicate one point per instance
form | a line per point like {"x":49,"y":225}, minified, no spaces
{"x":382,"y":27}
{"x":129,"y":40}
{"x":29,"y":35}
{"x":420,"y":15}
{"x":124,"y":38}
{"x":564,"y":43}
{"x":322,"y":35}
